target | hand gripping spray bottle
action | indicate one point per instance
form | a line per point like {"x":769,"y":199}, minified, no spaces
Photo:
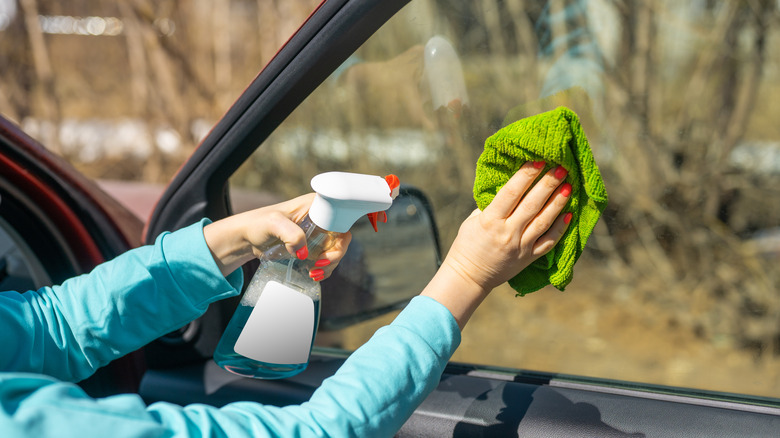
{"x":271,"y":334}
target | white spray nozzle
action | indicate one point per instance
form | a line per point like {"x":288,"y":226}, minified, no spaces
{"x":343,"y":198}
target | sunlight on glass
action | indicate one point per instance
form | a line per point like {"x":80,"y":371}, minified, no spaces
{"x":445,"y":75}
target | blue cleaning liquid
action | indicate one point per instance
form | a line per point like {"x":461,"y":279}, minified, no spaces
{"x":271,"y":334}
{"x":227,"y":358}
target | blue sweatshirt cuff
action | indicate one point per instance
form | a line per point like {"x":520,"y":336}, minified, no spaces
{"x":193,"y":267}
{"x":437,"y":325}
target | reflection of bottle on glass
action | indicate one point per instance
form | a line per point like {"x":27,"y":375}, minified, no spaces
{"x":445,"y":76}
{"x":271,"y":334}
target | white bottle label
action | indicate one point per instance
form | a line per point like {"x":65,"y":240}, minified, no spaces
{"x":280,"y":328}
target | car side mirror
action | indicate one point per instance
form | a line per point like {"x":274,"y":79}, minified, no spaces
{"x":383,"y":270}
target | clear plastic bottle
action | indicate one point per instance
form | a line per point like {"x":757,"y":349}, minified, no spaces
{"x":270,"y":326}
{"x":271,"y":334}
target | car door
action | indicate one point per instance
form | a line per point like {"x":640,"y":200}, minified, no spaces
{"x":317,"y":98}
{"x":200,"y":188}
{"x":56,"y":224}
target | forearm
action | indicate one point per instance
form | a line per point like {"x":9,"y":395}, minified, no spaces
{"x":69,"y":331}
{"x":382,"y":383}
{"x":372,"y":394}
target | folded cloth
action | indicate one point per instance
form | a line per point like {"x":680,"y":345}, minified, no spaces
{"x":557,"y":138}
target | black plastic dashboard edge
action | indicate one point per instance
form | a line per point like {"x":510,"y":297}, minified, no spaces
{"x":490,"y":403}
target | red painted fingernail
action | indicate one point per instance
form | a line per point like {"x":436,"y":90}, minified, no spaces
{"x":567,"y":218}
{"x":539,"y":164}
{"x":566,"y":189}
{"x":322,"y":262}
{"x":317,"y":274}
{"x":302,"y":253}
{"x":560,"y":172}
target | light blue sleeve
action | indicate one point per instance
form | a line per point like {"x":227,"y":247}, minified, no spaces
{"x":71,"y":330}
{"x":372,"y":395}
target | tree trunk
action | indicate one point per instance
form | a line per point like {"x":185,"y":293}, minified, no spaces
{"x":44,"y":91}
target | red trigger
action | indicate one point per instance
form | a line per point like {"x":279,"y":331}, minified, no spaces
{"x":372,"y":217}
{"x":380,"y":216}
{"x":377,"y":216}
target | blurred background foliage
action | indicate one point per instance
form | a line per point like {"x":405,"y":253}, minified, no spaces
{"x":175,"y":66}
{"x":677,"y":99}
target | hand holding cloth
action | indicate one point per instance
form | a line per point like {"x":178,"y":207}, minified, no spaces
{"x":557,"y":138}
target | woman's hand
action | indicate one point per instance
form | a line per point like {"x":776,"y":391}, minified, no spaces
{"x":239,"y":238}
{"x":521,"y":224}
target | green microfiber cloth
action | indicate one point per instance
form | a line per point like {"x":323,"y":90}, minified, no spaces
{"x":557,"y":138}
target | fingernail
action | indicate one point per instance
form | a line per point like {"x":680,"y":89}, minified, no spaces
{"x":322,"y":262}
{"x":560,"y":172}
{"x":317,"y":274}
{"x":566,"y":189}
{"x":567,"y":218}
{"x":539,"y":164}
{"x":302,"y":253}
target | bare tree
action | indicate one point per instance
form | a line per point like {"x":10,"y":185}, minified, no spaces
{"x":44,"y":90}
{"x":691,"y":254}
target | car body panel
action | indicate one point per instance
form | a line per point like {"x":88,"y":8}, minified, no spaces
{"x":69,"y":226}
{"x":62,"y":191}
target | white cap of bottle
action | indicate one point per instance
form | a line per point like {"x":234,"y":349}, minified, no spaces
{"x":343,"y":198}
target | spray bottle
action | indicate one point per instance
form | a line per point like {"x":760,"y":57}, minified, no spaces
{"x":271,"y":334}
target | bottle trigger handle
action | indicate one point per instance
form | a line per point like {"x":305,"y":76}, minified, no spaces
{"x":377,"y":216}
{"x":381,"y":216}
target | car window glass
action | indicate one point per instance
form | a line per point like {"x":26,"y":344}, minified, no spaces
{"x":678,"y":284}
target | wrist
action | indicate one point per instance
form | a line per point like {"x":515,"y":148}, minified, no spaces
{"x":228,"y":244}
{"x":456,"y":291}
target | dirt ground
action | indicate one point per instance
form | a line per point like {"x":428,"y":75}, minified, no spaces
{"x":583,"y":332}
